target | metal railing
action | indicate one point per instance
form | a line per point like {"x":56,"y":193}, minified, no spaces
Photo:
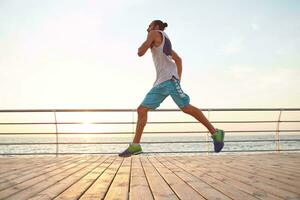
{"x":57,"y":131}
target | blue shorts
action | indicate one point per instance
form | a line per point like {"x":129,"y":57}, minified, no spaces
{"x":158,"y":94}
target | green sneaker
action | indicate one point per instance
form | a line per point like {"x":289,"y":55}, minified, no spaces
{"x":218,"y":138}
{"x":131,"y":150}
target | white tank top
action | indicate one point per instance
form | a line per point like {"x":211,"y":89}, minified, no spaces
{"x":162,"y":58}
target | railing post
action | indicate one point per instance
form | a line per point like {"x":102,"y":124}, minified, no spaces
{"x":133,"y":123}
{"x":277,"y":138}
{"x":207,"y":136}
{"x":56,"y":131}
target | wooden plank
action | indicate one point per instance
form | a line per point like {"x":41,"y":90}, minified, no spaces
{"x":247,"y":178}
{"x":180,"y":187}
{"x":138,"y":182}
{"x":85,"y":179}
{"x":22,"y":164}
{"x":203,"y":188}
{"x":27,"y":188}
{"x":268,"y":172}
{"x":68,"y":182}
{"x":19,"y":176}
{"x":269,"y":165}
{"x":160,"y":189}
{"x":228,"y":190}
{"x":120,"y":185}
{"x":100,"y":187}
{"x":258,"y":193}
{"x":263,"y":175}
{"x":16,"y":159}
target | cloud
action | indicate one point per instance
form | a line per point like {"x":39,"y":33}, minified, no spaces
{"x":234,"y":46}
{"x":255,"y":27}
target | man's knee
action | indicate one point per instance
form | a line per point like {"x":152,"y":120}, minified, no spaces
{"x":141,"y":110}
{"x":186,"y":109}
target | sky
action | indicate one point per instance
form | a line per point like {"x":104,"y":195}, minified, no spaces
{"x":83,"y":54}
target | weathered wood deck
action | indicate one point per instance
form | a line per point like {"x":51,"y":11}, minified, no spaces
{"x":252,"y":176}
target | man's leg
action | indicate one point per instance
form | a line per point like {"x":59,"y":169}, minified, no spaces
{"x":152,"y":100}
{"x":141,"y":122}
{"x":183,"y":101}
{"x":197,"y":113}
{"x":217,"y":134}
{"x":135,"y":147}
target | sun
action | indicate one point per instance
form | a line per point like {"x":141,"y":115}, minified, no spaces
{"x":87,"y":126}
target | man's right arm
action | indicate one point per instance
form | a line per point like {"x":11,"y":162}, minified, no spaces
{"x":178,"y":63}
{"x":147,"y":44}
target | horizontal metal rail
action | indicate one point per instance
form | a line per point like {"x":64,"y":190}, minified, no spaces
{"x":119,"y":123}
{"x":146,"y":132}
{"x":134,"y":110}
{"x":154,"y":142}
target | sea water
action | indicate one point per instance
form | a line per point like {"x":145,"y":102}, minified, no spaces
{"x":233,"y":143}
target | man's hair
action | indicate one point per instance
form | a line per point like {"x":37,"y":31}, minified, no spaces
{"x":161,"y":25}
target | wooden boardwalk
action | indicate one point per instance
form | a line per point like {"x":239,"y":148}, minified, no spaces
{"x":246,"y":176}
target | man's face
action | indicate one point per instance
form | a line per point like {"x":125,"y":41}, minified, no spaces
{"x":151,"y":27}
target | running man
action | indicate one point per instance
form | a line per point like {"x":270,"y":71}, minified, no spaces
{"x":168,"y":67}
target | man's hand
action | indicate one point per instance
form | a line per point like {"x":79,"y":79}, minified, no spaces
{"x":147,"y":44}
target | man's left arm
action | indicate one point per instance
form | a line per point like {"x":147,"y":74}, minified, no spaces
{"x":178,"y":62}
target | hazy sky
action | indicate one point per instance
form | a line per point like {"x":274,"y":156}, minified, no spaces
{"x":83,"y":54}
